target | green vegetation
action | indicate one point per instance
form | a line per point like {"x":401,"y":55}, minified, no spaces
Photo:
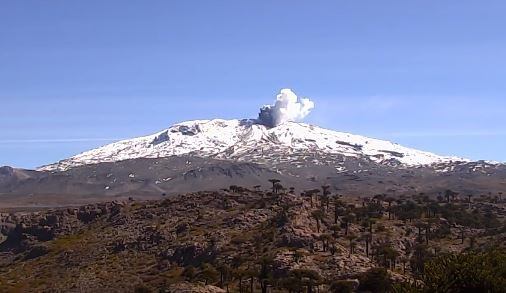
{"x":466,"y":272}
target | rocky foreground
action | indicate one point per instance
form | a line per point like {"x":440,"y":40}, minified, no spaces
{"x":237,"y":239}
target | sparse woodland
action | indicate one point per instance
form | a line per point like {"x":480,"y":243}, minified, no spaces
{"x":251,"y":240}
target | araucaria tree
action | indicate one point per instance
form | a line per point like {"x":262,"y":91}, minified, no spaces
{"x":274,"y":182}
{"x":318,"y":216}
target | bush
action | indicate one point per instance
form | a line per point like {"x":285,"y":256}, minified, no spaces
{"x":189,"y":273}
{"x":342,"y":286}
{"x":471,"y":272}
{"x":376,"y":280}
{"x":209,"y":274}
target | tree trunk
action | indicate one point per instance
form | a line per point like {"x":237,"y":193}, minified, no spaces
{"x":263,"y":284}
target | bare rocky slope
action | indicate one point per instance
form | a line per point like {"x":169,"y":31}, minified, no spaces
{"x":240,"y":240}
{"x":146,"y":178}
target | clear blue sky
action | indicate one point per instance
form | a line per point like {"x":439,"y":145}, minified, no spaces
{"x":78,"y":74}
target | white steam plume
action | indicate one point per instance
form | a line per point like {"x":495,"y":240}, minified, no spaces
{"x":288,"y":107}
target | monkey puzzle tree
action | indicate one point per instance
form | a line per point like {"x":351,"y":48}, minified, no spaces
{"x":367,"y":238}
{"x":278,"y":187}
{"x":310,"y":193}
{"x":239,"y":274}
{"x":389,"y":200}
{"x":251,"y":273}
{"x":209,"y":274}
{"x":450,"y":194}
{"x":433,"y":209}
{"x":338,"y":208}
{"x":419,"y":225}
{"x":472,"y":242}
{"x":427,"y":227}
{"x":307,"y":278}
{"x":351,"y":238}
{"x":335,"y":231}
{"x":316,"y":193}
{"x":274,"y":182}
{"x":392,"y":254}
{"x":404,"y":260}
{"x":469,"y":196}
{"x":420,"y":255}
{"x":332,"y":246}
{"x":326,"y":190}
{"x":225,"y":274}
{"x":265,"y":273}
{"x":318,"y":216}
{"x":462,"y":231}
{"x":347,"y":219}
{"x":325,"y":238}
{"x":325,"y":196}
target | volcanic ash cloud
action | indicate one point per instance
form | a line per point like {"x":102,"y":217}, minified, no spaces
{"x":287,"y":107}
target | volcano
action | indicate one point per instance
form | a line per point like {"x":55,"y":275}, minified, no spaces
{"x":251,"y":141}
{"x":215,"y":154}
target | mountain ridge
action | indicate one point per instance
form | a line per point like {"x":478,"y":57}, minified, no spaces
{"x":248,"y":139}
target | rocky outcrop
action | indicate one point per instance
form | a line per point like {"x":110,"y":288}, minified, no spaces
{"x":200,"y":237}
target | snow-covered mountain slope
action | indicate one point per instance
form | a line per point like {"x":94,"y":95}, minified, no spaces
{"x":248,"y":140}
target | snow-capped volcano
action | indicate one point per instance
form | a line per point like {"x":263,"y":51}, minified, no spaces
{"x":248,"y":140}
